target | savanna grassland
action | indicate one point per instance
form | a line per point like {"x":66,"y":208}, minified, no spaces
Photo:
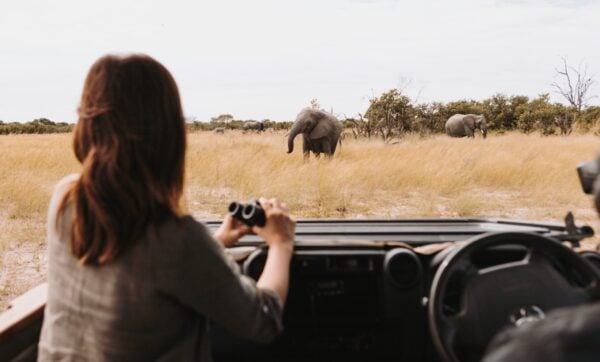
{"x":507,"y":176}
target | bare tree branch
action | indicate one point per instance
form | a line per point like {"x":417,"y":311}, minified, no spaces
{"x":575,"y":91}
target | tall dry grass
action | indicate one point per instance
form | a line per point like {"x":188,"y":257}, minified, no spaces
{"x":510,"y":176}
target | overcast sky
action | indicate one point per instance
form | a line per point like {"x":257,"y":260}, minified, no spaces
{"x":268,"y":59}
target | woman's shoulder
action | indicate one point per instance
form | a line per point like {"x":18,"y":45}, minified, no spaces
{"x":55,"y":207}
{"x":192,"y":229}
{"x":63,"y":186}
{"x":183,"y":241}
{"x":61,"y":189}
{"x":66,"y":182}
{"x":185,"y":229}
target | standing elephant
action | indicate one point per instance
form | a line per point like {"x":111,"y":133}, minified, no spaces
{"x":253,"y":126}
{"x":461,"y":125}
{"x":320,"y":132}
{"x":219,"y":130}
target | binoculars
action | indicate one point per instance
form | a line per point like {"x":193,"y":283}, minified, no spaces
{"x":588,"y":172}
{"x":250,"y":214}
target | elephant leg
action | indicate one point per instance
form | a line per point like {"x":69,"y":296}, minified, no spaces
{"x":326,"y":148}
{"x":335,"y":144}
{"x":305,"y":147}
{"x":469,"y":132}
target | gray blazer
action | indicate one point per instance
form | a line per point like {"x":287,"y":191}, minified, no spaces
{"x":154,"y":301}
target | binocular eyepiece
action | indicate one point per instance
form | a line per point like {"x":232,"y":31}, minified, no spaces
{"x":250,"y":214}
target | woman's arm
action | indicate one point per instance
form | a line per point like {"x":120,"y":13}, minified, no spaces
{"x":276,"y":274}
{"x":230,"y":231}
{"x":278,"y":232}
{"x":195,"y":270}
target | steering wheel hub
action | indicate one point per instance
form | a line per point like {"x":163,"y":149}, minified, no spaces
{"x":526,"y":315}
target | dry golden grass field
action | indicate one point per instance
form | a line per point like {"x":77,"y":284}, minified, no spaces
{"x":509,"y":176}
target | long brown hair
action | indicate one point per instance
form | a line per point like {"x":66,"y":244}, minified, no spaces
{"x":130,"y":140}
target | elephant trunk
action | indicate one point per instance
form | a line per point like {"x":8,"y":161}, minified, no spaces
{"x":297,"y":128}
{"x":484,"y":131}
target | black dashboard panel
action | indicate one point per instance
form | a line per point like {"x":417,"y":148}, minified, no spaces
{"x":343,"y":304}
{"x":358,"y":288}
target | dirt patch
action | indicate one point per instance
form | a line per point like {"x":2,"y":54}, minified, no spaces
{"x":23,"y":267}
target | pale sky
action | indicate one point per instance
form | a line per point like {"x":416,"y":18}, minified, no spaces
{"x":268,"y":59}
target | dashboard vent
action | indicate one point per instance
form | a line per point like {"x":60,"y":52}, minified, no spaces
{"x":403,"y":267}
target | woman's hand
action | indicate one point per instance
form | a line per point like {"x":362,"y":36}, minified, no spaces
{"x":230,"y":231}
{"x":280,"y":228}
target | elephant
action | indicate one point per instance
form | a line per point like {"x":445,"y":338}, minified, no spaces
{"x":461,"y":125}
{"x":219,"y":130}
{"x":320,"y":132}
{"x":253,"y":126}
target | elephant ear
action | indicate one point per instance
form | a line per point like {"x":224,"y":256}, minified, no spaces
{"x":469,"y":120}
{"x":323,"y":128}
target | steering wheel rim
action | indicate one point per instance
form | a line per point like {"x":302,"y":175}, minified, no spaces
{"x":541,"y":256}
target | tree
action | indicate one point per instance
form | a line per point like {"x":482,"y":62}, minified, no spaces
{"x":314,"y":104}
{"x":539,"y":115}
{"x":43,"y":122}
{"x":576,"y":85}
{"x":589,"y":119}
{"x":222,"y":118}
{"x":463,"y":107}
{"x":360,"y":126}
{"x":428,"y":118}
{"x":502,"y":112}
{"x":392,"y":114}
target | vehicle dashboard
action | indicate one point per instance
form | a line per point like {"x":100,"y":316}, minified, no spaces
{"x":359,"y":289}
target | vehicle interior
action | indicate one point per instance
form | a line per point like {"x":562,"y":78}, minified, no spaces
{"x":392,"y":290}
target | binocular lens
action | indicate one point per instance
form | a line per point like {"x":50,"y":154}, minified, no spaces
{"x":248,"y":211}
{"x":250,"y":214}
{"x":236,"y":209}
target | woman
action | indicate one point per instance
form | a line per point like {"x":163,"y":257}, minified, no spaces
{"x":130,"y":277}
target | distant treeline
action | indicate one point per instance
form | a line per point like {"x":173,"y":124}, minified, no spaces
{"x":226,"y":121}
{"x":393,"y":114}
{"x":40,"y":125}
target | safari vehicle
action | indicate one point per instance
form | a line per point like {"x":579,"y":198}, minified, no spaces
{"x":392,"y":290}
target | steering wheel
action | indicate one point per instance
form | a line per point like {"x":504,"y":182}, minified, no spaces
{"x":470,"y":300}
